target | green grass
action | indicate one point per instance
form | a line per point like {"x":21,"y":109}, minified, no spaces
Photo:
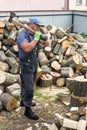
{"x":42,"y":96}
{"x":84,"y":35}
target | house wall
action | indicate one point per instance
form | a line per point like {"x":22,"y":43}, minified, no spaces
{"x":57,"y":18}
{"x":31,"y":5}
{"x":74,"y":6}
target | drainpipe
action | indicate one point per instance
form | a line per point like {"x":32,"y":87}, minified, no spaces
{"x":72,"y":21}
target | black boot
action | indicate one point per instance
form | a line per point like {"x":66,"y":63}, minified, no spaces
{"x":30,"y":114}
{"x":22,"y":105}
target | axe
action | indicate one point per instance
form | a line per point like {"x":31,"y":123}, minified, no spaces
{"x":13,"y":20}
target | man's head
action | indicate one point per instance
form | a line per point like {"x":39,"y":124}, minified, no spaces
{"x":36,"y":21}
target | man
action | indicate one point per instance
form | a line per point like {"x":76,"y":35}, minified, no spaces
{"x":28,"y":47}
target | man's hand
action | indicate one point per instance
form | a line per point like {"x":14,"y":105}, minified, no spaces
{"x":37,"y":36}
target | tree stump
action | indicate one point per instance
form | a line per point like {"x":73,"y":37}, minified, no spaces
{"x":8,"y":101}
{"x":46,"y":80}
{"x":79,"y":95}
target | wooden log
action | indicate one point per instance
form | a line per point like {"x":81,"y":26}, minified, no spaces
{"x":55,"y":57}
{"x":14,"y":48}
{"x":12,"y":36}
{"x":2,"y":24}
{"x":0,"y":45}
{"x":10,"y":54}
{"x":65,"y":44}
{"x":7,"y":78}
{"x":67,"y":123}
{"x":15,"y":69}
{"x":2,"y":56}
{"x":42,"y":58}
{"x":1,"y":107}
{"x":39,"y":74}
{"x":9,"y":26}
{"x":86,"y":114}
{"x":70,"y":51}
{"x":84,"y":68}
{"x":81,"y":125}
{"x":79,"y":96}
{"x":56,"y":49}
{"x":45,"y":69}
{"x":55,"y":76}
{"x":1,"y":36}
{"x":9,"y":89}
{"x":8,"y":101}
{"x":47,"y":51}
{"x":11,"y":61}
{"x":2,"y":88}
{"x":60,"y":58}
{"x":59,"y":34}
{"x":67,"y":72}
{"x":60,"y":82}
{"x":4,"y":66}
{"x":46,"y":80}
{"x":4,"y":48}
{"x":53,"y":30}
{"x":14,"y":90}
{"x":61,"y":40}
{"x":55,"y":66}
{"x":1,"y":31}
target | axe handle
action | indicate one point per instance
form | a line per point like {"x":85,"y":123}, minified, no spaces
{"x":22,"y":25}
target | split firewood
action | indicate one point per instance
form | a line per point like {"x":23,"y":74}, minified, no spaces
{"x":42,"y":58}
{"x":12,"y":36}
{"x":9,"y":26}
{"x":2,"y":24}
{"x":81,"y":125}
{"x":70,"y":51}
{"x":65,"y":44}
{"x":61,"y":40}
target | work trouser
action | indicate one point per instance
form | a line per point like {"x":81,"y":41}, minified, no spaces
{"x":27,"y":79}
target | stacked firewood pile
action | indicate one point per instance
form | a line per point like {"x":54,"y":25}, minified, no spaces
{"x":63,"y":59}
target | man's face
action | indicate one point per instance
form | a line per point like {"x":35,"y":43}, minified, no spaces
{"x":35,"y":27}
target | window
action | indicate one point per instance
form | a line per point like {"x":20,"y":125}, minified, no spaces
{"x":78,"y":2}
{"x":86,"y":2}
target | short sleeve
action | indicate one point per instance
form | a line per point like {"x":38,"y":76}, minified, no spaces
{"x":22,"y":38}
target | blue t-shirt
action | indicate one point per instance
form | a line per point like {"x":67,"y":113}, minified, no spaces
{"x":23,"y":36}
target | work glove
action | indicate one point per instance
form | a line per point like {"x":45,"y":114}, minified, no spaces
{"x":37,"y":35}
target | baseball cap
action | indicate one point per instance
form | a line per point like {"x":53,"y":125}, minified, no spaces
{"x":36,"y":21}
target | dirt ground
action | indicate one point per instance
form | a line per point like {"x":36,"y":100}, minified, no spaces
{"x":46,"y":107}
